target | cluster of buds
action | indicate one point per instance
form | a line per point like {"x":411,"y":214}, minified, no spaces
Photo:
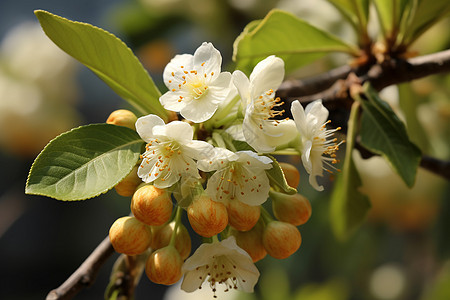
{"x":221,"y":189}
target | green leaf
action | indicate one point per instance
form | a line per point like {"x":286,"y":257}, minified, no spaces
{"x":425,"y":14}
{"x":277,"y":179}
{"x":392,"y":14}
{"x":348,"y":206}
{"x":84,"y":162}
{"x":282,"y":34}
{"x":357,"y":12}
{"x":383,"y":133}
{"x":108,"y":57}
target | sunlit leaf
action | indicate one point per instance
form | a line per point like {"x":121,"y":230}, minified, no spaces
{"x":84,"y":162}
{"x":108,"y":57}
{"x":357,"y":12}
{"x":276,"y":177}
{"x":383,"y":133}
{"x":348,"y":207}
{"x":391,"y":13}
{"x":282,"y":34}
{"x":426,"y":14}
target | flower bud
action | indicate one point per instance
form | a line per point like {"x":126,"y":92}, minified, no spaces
{"x":281,"y":239}
{"x":207,"y":217}
{"x":294,"y":209}
{"x":242,"y":216}
{"x":291,"y":174}
{"x":129,"y":236}
{"x":151,"y":205}
{"x":251,"y":241}
{"x":129,"y":184}
{"x":122,"y":117}
{"x":164,"y":266}
{"x":182,"y":239}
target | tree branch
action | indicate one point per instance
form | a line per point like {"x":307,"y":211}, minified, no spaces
{"x":393,"y":71}
{"x":85,"y":275}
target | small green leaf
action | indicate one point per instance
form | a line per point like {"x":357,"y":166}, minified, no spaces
{"x":277,"y":179}
{"x":108,"y":57}
{"x":392,"y":13}
{"x":357,"y":12}
{"x":348,"y":206}
{"x":282,"y":34}
{"x":84,"y":162}
{"x":426,"y":13}
{"x":383,"y":133}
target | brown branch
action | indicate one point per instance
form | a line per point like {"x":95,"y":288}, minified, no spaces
{"x":85,"y":275}
{"x":393,"y":71}
{"x":437,"y":166}
{"x":311,"y":85}
{"x":434,"y":165}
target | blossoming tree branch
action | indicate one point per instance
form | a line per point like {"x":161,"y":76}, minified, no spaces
{"x":208,"y":146}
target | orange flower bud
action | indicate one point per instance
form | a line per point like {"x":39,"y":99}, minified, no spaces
{"x":129,"y":236}
{"x":164,"y":266}
{"x":207,"y":217}
{"x":182,"y":239}
{"x":122,"y":117}
{"x":151,"y":205}
{"x":291,"y":174}
{"x":129,"y":184}
{"x":294,"y":209}
{"x":242,"y":216}
{"x":281,"y":239}
{"x":251,"y":241}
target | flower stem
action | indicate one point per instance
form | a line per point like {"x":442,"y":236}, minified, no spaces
{"x":267,"y":218}
{"x":215,"y":239}
{"x":177,"y":223}
{"x":218,"y":119}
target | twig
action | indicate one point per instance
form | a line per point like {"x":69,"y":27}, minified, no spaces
{"x":437,"y":166}
{"x":390,"y":72}
{"x":85,"y":275}
{"x":312,"y":85}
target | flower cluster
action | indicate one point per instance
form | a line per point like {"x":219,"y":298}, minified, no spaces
{"x":221,"y":180}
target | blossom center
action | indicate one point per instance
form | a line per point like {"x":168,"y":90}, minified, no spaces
{"x":221,"y":271}
{"x":166,"y":157}
{"x":265,"y":108}
{"x":193,"y":81}
{"x":198,"y":89}
{"x":321,"y":145}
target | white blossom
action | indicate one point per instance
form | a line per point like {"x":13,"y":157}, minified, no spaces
{"x":220,"y":263}
{"x":239,"y":176}
{"x":196,"y":84}
{"x":170,"y":151}
{"x":260,"y":129}
{"x":311,"y":124}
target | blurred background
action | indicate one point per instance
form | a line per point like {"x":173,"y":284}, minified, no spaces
{"x":401,"y":252}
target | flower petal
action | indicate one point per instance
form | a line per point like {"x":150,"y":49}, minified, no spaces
{"x":173,"y":71}
{"x":306,"y":156}
{"x":171,"y":100}
{"x":144,"y":126}
{"x":191,"y":281}
{"x":267,"y":74}
{"x":317,"y":110}
{"x":208,"y":60}
{"x":178,"y":131}
{"x":242,"y":84}
{"x":299,"y":116}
